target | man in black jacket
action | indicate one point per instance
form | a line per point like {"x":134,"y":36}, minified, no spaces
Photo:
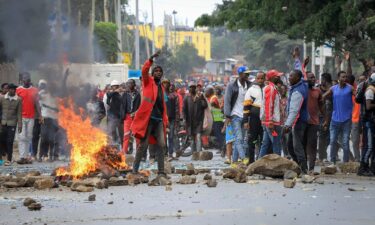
{"x":114,"y":115}
{"x":131,"y":101}
{"x":193,"y":109}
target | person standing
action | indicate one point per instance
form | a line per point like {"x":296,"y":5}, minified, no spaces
{"x":315,"y":107}
{"x":368,"y":118}
{"x":341,"y":120}
{"x":115,"y":121}
{"x":252,"y":105}
{"x":151,"y":121}
{"x":233,"y":111}
{"x":49,"y":124}
{"x":173,"y":116}
{"x":193,"y":111}
{"x":270,"y":115}
{"x":30,"y":110}
{"x":325,"y":119}
{"x":218,"y":120}
{"x":131,"y":101}
{"x":11,"y":108}
{"x":298,"y":116}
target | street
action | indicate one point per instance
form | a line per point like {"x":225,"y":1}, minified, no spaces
{"x":255,"y":202}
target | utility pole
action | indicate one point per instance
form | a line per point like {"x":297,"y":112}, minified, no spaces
{"x":136,"y":35}
{"x":321,"y":58}
{"x":153,"y":27}
{"x":119,"y":29}
{"x":91,"y":32}
{"x":145,"y":15}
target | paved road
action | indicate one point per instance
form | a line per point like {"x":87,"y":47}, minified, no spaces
{"x":258,"y":202}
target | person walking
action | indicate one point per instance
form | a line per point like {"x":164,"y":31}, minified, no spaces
{"x":30,"y":110}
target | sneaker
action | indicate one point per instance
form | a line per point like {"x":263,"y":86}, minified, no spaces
{"x":227,"y":161}
{"x":7,"y":163}
{"x":152,"y":161}
{"x":22,"y":161}
{"x":234,"y":165}
{"x":246,"y":161}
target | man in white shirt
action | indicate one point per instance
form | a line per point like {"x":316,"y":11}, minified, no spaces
{"x":233,"y":110}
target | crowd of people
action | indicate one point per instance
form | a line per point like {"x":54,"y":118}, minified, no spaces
{"x":298,"y":118}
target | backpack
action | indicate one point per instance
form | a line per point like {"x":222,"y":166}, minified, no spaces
{"x":360,"y":93}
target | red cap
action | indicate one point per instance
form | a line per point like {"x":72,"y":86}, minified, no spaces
{"x":273,"y":73}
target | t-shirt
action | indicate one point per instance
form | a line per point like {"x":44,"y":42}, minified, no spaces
{"x":29,"y":96}
{"x":356,"y":111}
{"x":369,"y":95}
{"x":238,"y":106}
{"x":342,"y":103}
{"x":315,"y":98}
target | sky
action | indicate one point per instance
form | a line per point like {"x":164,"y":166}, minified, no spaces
{"x":188,"y":10}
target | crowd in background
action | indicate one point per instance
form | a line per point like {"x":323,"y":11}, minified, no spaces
{"x":244,"y":120}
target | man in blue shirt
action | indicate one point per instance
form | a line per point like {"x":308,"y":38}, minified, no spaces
{"x":341,"y":121}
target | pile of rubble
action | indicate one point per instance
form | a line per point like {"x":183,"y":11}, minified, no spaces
{"x":272,"y":166}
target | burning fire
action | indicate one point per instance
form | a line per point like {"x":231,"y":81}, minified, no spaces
{"x":90,"y":150}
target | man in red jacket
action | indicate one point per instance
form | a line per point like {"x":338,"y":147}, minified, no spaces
{"x":151,"y":120}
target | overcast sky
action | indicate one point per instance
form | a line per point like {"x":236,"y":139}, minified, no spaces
{"x":188,"y":10}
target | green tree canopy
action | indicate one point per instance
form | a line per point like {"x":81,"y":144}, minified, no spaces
{"x":348,"y":24}
{"x":186,"y":58}
{"x":106,"y":37}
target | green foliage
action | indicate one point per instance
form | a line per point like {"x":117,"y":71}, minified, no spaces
{"x":106,"y":37}
{"x":186,"y":58}
{"x":349,"y":24}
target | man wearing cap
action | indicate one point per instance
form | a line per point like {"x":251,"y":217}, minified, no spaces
{"x":270,"y":115}
{"x":193,"y":111}
{"x":151,"y":120}
{"x":30,"y":110}
{"x":298,"y":116}
{"x":114,"y":114}
{"x":11,"y":107}
{"x":233,"y":110}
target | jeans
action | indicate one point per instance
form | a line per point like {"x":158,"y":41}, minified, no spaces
{"x":156,"y":129}
{"x":25,"y":137}
{"x":310,"y":143}
{"x":335,"y":129}
{"x":238,"y":132}
{"x":7,"y":135}
{"x":48,"y":145}
{"x":368,"y":141}
{"x":355,"y":135}
{"x":270,"y":140}
{"x":220,"y":137}
{"x":116,"y":130}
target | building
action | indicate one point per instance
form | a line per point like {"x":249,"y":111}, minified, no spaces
{"x":174,"y":37}
{"x":222,"y":67}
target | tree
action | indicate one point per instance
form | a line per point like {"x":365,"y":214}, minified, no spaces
{"x":348,"y":24}
{"x":167,"y":61}
{"x":106,"y":37}
{"x":186,"y":58}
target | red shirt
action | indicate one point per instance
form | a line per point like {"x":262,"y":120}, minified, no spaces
{"x":29,"y":96}
{"x":315,"y":98}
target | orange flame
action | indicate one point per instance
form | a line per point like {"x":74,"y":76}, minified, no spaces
{"x":87,"y":142}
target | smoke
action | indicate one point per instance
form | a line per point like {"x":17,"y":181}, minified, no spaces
{"x":24,"y":30}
